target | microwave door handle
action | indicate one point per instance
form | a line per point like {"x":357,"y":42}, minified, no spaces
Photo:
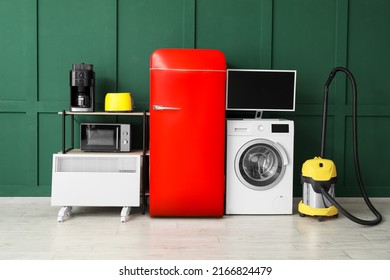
{"x":117,"y":139}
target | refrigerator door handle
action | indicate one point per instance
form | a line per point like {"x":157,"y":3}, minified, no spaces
{"x":162,"y":108}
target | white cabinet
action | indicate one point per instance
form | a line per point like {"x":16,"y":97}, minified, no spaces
{"x":96,"y":179}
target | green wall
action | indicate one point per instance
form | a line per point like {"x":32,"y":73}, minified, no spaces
{"x":41,"y":39}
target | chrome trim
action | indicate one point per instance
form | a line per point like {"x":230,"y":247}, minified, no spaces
{"x":163,"y":108}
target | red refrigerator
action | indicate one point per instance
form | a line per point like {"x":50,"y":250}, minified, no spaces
{"x":187,"y":132}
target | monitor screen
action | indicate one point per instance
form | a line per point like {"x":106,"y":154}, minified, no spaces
{"x":260,"y":90}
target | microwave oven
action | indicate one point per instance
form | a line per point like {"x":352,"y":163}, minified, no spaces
{"x":105,"y":137}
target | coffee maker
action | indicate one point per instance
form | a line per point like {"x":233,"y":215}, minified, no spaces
{"x":82,"y":88}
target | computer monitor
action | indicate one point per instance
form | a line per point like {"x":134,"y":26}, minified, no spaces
{"x":260,"y":90}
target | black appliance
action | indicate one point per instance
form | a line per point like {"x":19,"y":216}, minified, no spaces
{"x":82,"y":88}
{"x":260,"y":90}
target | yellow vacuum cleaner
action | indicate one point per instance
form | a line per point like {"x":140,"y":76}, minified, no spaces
{"x":319,"y":175}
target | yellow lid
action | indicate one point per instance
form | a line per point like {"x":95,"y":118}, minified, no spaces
{"x":319,"y":169}
{"x":119,"y":102}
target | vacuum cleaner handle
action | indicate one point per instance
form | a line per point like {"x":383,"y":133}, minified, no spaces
{"x":332,"y":74}
{"x":378,"y":216}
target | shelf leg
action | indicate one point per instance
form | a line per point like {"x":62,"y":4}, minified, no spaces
{"x":64,"y":212}
{"x":125,"y":213}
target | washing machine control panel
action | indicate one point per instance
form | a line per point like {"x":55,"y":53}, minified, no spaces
{"x":280,"y":128}
{"x":262,"y":128}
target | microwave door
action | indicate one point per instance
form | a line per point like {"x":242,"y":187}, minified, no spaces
{"x":100,"y":138}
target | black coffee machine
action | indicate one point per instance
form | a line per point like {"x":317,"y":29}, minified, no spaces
{"x":82,"y":88}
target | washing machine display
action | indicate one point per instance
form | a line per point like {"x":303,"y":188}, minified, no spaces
{"x":259,"y":166}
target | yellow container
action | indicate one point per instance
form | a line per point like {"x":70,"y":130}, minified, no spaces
{"x":119,"y":102}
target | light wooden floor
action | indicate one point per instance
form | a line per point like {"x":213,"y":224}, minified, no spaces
{"x":29,"y":230}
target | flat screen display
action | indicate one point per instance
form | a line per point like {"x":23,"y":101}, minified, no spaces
{"x":260,"y":90}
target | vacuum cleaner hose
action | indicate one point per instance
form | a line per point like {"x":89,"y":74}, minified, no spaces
{"x":355,"y":154}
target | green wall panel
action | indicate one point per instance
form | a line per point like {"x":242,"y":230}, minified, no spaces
{"x":14,"y":156}
{"x":233,"y":27}
{"x":304,"y":38}
{"x":17,"y":49}
{"x":49,"y":135}
{"x":73,"y":32}
{"x":374,"y":157}
{"x":368,"y":50}
{"x":144,"y":26}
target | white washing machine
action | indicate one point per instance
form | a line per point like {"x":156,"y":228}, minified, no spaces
{"x":259,"y":166}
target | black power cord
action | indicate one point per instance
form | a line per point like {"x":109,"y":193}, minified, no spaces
{"x":324,"y":191}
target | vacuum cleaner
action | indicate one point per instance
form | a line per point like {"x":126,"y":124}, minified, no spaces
{"x":319,"y":175}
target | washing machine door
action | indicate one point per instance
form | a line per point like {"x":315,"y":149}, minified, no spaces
{"x":260,"y":164}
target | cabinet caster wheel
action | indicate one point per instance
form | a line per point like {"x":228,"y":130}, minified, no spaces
{"x":301,"y":214}
{"x":320,"y":219}
{"x":125,"y":214}
{"x":64,"y":212}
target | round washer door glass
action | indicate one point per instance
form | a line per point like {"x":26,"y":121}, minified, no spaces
{"x":259,"y":164}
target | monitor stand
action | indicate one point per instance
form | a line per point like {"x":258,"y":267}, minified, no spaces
{"x":259,"y":115}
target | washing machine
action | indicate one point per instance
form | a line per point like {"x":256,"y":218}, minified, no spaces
{"x":259,"y":166}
